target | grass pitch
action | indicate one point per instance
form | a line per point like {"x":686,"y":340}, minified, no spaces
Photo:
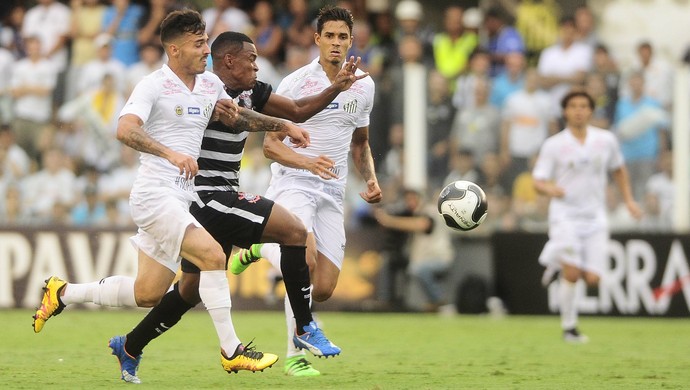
{"x":380,"y":351}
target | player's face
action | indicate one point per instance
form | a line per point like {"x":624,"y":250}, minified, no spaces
{"x":192,"y":52}
{"x":577,"y":112}
{"x":334,"y":42}
{"x":244,"y":68}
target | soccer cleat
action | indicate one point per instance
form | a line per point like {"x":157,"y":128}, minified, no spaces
{"x":573,"y":336}
{"x":299,"y":366}
{"x":129,"y":365}
{"x":549,"y":276}
{"x":315,"y":341}
{"x":51,"y":305}
{"x":244,"y":258}
{"x":247,"y":358}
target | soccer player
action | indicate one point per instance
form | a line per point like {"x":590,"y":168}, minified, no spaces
{"x":237,"y":218}
{"x":572,"y":169}
{"x":165,"y":118}
{"x":317,"y":197}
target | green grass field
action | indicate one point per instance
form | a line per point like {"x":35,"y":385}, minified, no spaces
{"x":380,"y":351}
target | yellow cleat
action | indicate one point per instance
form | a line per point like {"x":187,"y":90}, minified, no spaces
{"x":50,"y":303}
{"x":246,"y":358}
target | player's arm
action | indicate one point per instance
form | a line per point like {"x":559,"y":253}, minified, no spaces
{"x":622,"y":179}
{"x":131,"y":133}
{"x":300,"y":110}
{"x":364,"y":162}
{"x":252,"y":121}
{"x":548,"y":188}
{"x":276,"y":150}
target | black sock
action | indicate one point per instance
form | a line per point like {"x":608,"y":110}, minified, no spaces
{"x":293,"y":265}
{"x":161,"y":318}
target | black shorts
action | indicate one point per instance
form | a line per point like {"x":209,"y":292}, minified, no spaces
{"x":232,"y":218}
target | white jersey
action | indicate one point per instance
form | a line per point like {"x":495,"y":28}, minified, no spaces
{"x":174,"y":116}
{"x":331,"y":129}
{"x":581,"y":169}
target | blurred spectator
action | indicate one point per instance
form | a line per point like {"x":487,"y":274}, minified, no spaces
{"x":503,"y":39}
{"x":529,"y":207}
{"x":384,"y":39}
{"x":605,"y":65}
{"x":641,"y":126}
{"x":658,"y":75}
{"x":453,"y":46}
{"x":150,"y":22}
{"x":150,"y":59}
{"x":477,"y":129}
{"x":462,"y":167}
{"x":90,"y":211}
{"x":658,"y":199}
{"x":604,"y":107}
{"x":121,"y":21}
{"x":510,"y":80}
{"x":565,"y":64}
{"x":6,"y":65}
{"x":268,"y":35}
{"x":87,"y":23}
{"x":585,"y":26}
{"x":537,"y":22}
{"x":116,"y":185}
{"x":49,"y":189}
{"x":410,"y":17}
{"x":92,"y":73}
{"x":15,"y":164}
{"x":362,"y":46}
{"x":33,"y":81}
{"x":430,"y":249}
{"x":618,"y":216}
{"x":93,"y":117}
{"x":11,"y":31}
{"x":298,"y":27}
{"x":479,"y":65}
{"x":498,"y":197}
{"x":12,"y":211}
{"x":439,"y":122}
{"x":225,"y":15}
{"x":527,"y":121}
{"x":49,"y":21}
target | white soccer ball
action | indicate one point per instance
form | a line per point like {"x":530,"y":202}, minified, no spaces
{"x":463,"y":205}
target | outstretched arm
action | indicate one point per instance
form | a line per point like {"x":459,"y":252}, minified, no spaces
{"x":276,"y":150}
{"x":364,"y":162}
{"x":252,"y":121}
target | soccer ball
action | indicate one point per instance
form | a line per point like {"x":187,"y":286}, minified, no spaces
{"x":463,"y":205}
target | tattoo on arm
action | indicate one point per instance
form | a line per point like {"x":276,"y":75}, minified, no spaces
{"x":137,"y":139}
{"x":252,"y":121}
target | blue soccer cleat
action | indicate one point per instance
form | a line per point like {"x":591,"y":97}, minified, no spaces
{"x":129,"y":365}
{"x":315,"y":341}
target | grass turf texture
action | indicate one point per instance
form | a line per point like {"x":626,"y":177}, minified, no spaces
{"x":380,"y":351}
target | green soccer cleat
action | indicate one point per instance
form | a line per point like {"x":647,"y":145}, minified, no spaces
{"x":299,"y":366}
{"x":244,"y":258}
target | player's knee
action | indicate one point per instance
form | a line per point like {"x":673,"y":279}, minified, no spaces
{"x":321,"y":293}
{"x":189,"y":288}
{"x":295,"y":235}
{"x":147,"y":298}
{"x":213,"y":258}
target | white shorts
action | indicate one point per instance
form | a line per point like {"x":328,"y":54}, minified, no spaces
{"x":576,"y":244}
{"x":162,"y":215}
{"x":321,"y":213}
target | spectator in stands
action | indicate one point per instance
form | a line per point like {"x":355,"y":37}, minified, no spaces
{"x":410,"y":19}
{"x":606,"y":66}
{"x":537,"y":22}
{"x":12,"y":212}
{"x":453,"y":46}
{"x":15,"y":164}
{"x":604,"y":107}
{"x":585,"y":26}
{"x":267,"y":34}
{"x":225,"y":15}
{"x":87,"y":24}
{"x":121,"y":22}
{"x":92,"y":73}
{"x":641,"y":126}
{"x":564,"y":65}
{"x":527,"y":120}
{"x":477,"y":129}
{"x":116,"y":185}
{"x":52,"y":185}
{"x":11,"y":31}
{"x":659,"y":196}
{"x":150,"y":59}
{"x":503,"y":39}
{"x":150,"y":22}
{"x":49,"y":21}
{"x":362,"y":46}
{"x":462,"y":167}
{"x":510,"y":80}
{"x":439,"y":122}
{"x":498,"y":196}
{"x":33,"y":81}
{"x":6,"y":64}
{"x":90,"y":211}
{"x":658,"y":75}
{"x":529,"y":207}
{"x":299,"y":29}
{"x":478,"y":69}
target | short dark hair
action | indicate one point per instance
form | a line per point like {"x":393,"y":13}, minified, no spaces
{"x":181,"y":22}
{"x":568,"y":19}
{"x":574,"y":94}
{"x":330,"y":14}
{"x":228,"y":42}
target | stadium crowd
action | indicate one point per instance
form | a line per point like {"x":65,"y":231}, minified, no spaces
{"x":496,"y":74}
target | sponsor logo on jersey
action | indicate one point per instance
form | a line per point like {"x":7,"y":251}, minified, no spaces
{"x":332,"y":106}
{"x":350,"y":107}
{"x":178,"y":110}
{"x":193,"y":110}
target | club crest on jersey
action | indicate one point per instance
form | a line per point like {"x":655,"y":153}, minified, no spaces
{"x":350,"y":107}
{"x":208,"y":110}
{"x":251,"y":198}
{"x":178,"y":110}
{"x":193,"y":110}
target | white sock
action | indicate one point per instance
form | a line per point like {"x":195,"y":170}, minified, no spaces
{"x":115,"y":291}
{"x":215,"y":294}
{"x":290,"y":321}
{"x":566,"y":295}
{"x":271,"y":252}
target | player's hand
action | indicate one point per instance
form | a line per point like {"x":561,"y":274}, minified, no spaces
{"x":298,"y":136}
{"x":556,"y":192}
{"x":226,"y":110}
{"x":346,"y":77}
{"x":322,"y":166}
{"x":187,"y":164}
{"x":373,"y":193}
{"x":634,"y":209}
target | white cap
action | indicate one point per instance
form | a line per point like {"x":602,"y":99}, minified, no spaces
{"x":472,"y":18}
{"x":408,"y":9}
{"x":102,"y":40}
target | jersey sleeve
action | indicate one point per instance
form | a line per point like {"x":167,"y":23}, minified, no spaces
{"x":142,"y":99}
{"x":260,"y":94}
{"x":544,"y":167}
{"x":616,"y":160}
{"x":363,"y":120}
